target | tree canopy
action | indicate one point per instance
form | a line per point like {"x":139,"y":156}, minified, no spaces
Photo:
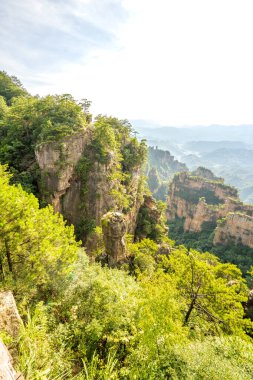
{"x":166,"y":311}
{"x":10,"y":87}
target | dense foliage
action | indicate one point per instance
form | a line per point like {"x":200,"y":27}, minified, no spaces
{"x":193,"y":195}
{"x":151,"y":222}
{"x":161,"y":167}
{"x":164,"y":163}
{"x":90,"y":322}
{"x":113,"y":146}
{"x":167,"y":312}
{"x":29,"y":121}
{"x":239,"y":255}
{"x":36,"y":247}
{"x":10,"y":87}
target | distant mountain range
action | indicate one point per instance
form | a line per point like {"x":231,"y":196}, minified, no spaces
{"x":243,"y":133}
{"x":226,"y":150}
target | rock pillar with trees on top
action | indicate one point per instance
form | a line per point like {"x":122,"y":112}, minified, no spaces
{"x":114,"y":228}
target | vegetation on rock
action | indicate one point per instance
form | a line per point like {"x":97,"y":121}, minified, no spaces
{"x":198,"y":211}
{"x":31,"y":121}
{"x":161,"y":167}
{"x":165,"y":312}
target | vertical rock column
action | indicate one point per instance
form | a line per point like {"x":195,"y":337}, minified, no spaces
{"x":114,"y":228}
{"x":10,"y":320}
{"x":7,"y":372}
{"x":10,"y":323}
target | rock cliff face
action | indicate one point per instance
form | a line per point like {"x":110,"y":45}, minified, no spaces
{"x":81,"y":187}
{"x":205,"y":173}
{"x":57,"y":162}
{"x":150,"y":223}
{"x":165,"y":163}
{"x":236,"y":228}
{"x":7,"y":372}
{"x":114,"y":227}
{"x":10,"y":320}
{"x":199,"y":200}
{"x":60,"y":183}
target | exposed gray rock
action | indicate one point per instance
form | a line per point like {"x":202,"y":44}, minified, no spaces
{"x":7,"y":372}
{"x":114,"y":228}
{"x":57,"y":161}
{"x":10,"y":320}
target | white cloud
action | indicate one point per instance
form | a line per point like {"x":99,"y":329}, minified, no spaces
{"x":176,"y":62}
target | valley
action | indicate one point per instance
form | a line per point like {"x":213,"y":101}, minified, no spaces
{"x":224,"y":150}
{"x":100,"y":279}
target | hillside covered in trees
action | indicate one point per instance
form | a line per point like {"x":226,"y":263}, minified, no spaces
{"x":161,"y":167}
{"x":102,"y":292}
{"x":226,"y":150}
{"x":206,"y":214}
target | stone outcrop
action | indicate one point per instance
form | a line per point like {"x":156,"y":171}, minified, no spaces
{"x":137,"y":201}
{"x":57,"y":162}
{"x":89,"y":200}
{"x":7,"y":372}
{"x":236,"y":229}
{"x":150,"y":223}
{"x":65,"y":188}
{"x":9,"y":316}
{"x":206,"y":213}
{"x":205,"y":173}
{"x":114,"y":226}
{"x":199,"y":200}
{"x":84,"y":195}
{"x":151,"y":206}
{"x":165,"y":163}
{"x":10,"y":322}
{"x":164,"y":249}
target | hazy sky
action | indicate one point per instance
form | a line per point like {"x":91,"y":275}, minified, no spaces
{"x":177,"y":62}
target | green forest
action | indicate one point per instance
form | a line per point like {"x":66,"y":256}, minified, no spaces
{"x":239,"y":254}
{"x":161,"y":167}
{"x":165,"y":312}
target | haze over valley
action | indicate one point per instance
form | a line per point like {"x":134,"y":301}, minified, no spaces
{"x":226,"y":150}
{"x":126,"y":190}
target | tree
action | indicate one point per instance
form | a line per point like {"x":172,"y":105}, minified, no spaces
{"x":37,"y":249}
{"x":85,"y":104}
{"x":100,"y":305}
{"x":3,"y":109}
{"x":153,"y":179}
{"x":104,"y":142}
{"x":160,"y":328}
{"x":213,"y":292}
{"x":31,"y":121}
{"x":10,"y":87}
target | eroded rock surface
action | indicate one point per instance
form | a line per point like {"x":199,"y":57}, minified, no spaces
{"x":9,"y":316}
{"x":236,"y":228}
{"x":150,"y":223}
{"x":83,"y":189}
{"x":199,"y":200}
{"x":114,"y":226}
{"x":7,"y":372}
{"x":10,"y":322}
{"x":57,"y":161}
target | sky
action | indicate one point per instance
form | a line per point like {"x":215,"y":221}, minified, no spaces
{"x":172,"y":62}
